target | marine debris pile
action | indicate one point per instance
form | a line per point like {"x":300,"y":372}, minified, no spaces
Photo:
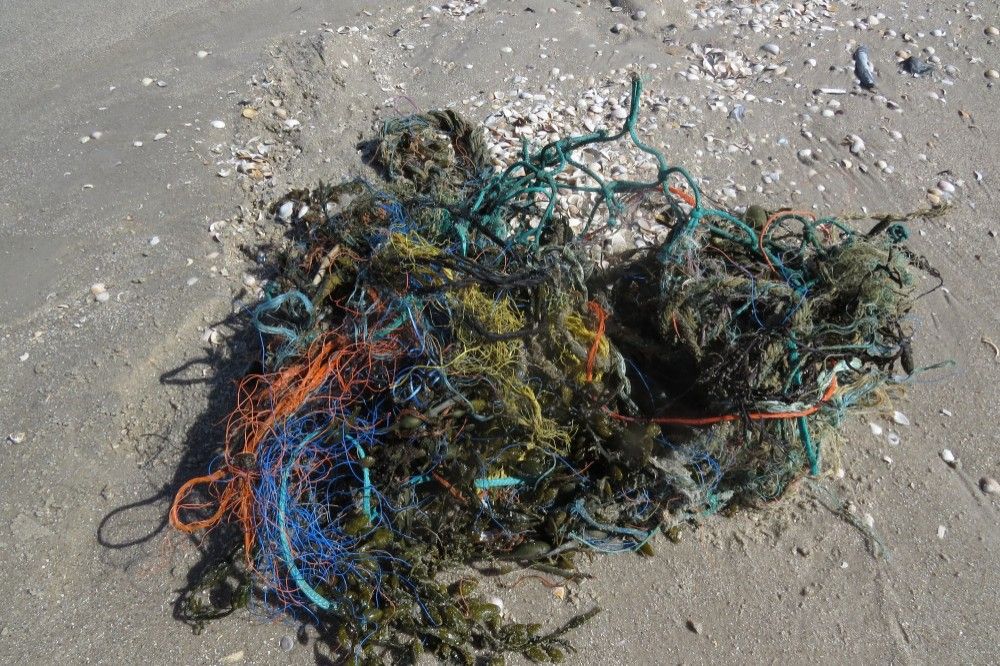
{"x":454,"y":376}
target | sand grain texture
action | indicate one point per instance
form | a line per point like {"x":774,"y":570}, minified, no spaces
{"x":121,"y":401}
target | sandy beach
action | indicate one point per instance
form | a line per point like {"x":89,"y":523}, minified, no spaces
{"x":134,"y":225}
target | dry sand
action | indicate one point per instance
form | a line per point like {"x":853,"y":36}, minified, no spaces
{"x":118,"y":401}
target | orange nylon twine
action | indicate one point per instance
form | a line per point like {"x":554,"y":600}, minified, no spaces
{"x":602,"y":316}
{"x":687,"y":198}
{"x":712,"y":420}
{"x":263,"y":402}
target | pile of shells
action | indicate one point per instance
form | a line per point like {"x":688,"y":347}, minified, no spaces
{"x":794,"y":17}
{"x":718,"y":64}
{"x":460,"y":8}
{"x":540,"y":118}
{"x":251,"y":161}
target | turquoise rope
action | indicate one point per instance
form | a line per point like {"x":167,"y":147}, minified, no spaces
{"x":812,"y":453}
{"x":274,"y":304}
{"x":286,"y":548}
{"x":502,"y":482}
{"x":366,"y":498}
{"x":479,"y":484}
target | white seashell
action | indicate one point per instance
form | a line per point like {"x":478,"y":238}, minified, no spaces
{"x":291,"y":123}
{"x":147,"y":81}
{"x":286,"y":210}
{"x":771,"y":48}
{"x":218,"y":124}
{"x":159,"y":135}
{"x":948,"y":456}
{"x":876,"y":429}
{"x":900,"y":418}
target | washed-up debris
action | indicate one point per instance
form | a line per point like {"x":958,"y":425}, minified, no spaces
{"x":100,"y":292}
{"x":916,"y":66}
{"x":285,"y":211}
{"x":233,"y":657}
{"x":856,"y":144}
{"x":863,"y":68}
{"x":459,"y":370}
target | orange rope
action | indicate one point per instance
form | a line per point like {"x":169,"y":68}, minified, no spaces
{"x":224,"y":501}
{"x":687,"y":198}
{"x":712,"y":420}
{"x":677,"y":328}
{"x":602,"y":316}
{"x":264,"y":401}
{"x":450,"y":487}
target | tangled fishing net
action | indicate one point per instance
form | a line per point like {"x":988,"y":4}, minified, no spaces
{"x":456,"y":375}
